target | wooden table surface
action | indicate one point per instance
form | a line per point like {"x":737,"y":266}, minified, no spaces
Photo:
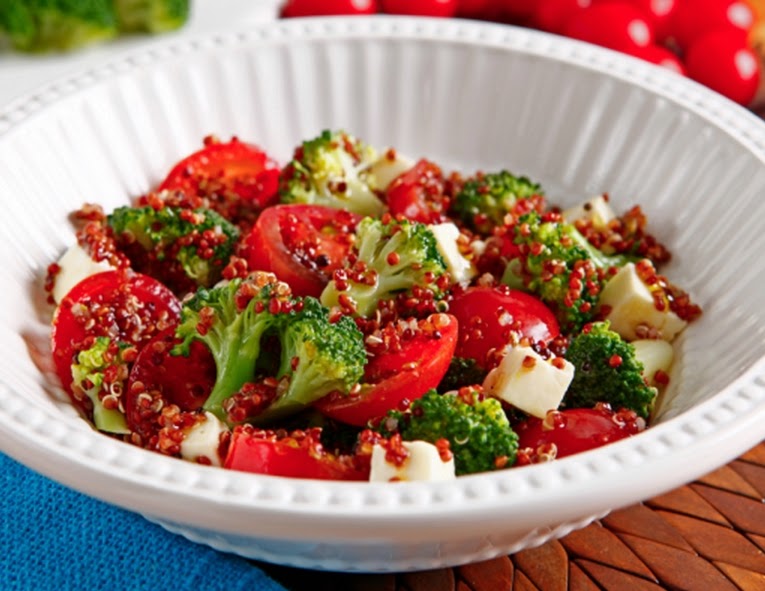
{"x":706,"y":536}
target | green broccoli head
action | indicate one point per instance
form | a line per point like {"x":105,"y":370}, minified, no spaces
{"x":392,"y":257}
{"x":479,"y":434}
{"x":463,"y":371}
{"x":257,"y":331}
{"x":56,"y":25}
{"x":317,"y":357}
{"x":184,"y":248}
{"x":484,"y":200}
{"x":100,"y":372}
{"x":332,"y":170}
{"x":606,"y":369}
{"x":556,"y":263}
{"x":151,"y":16}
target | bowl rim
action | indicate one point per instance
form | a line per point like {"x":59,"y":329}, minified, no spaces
{"x":686,"y":446}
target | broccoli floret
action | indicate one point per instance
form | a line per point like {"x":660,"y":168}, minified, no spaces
{"x":392,"y":257}
{"x":318,"y":357}
{"x":479,"y":434}
{"x":236,"y":319}
{"x":100,"y":373}
{"x":463,"y":371}
{"x":332,"y":170}
{"x":56,"y":25}
{"x":606,"y":369}
{"x":151,"y":16}
{"x":184,"y":248}
{"x":484,"y":200}
{"x":555,"y":262}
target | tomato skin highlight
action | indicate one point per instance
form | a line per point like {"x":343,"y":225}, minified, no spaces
{"x":242,"y":168}
{"x":394,"y":379}
{"x":484,"y":328}
{"x":108,"y":291}
{"x":576,"y":430}
{"x":616,"y":25}
{"x":284,"y":236}
{"x":263,"y":453}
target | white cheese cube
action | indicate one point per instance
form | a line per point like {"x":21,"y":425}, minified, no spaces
{"x":460,"y":268}
{"x":530,"y":382}
{"x":655,"y":355}
{"x":423,"y":463}
{"x":75,"y":265}
{"x":386,"y":168}
{"x":632,"y":310}
{"x":597,"y":210}
{"x":203,"y":440}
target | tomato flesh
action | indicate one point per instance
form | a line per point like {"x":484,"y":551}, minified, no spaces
{"x":392,"y":379}
{"x":301,"y":244}
{"x":574,"y":431}
{"x":297,"y":456}
{"x":174,"y":379}
{"x":126,"y":306}
{"x":418,"y":194}
{"x":489,"y":317}
{"x":234,"y":167}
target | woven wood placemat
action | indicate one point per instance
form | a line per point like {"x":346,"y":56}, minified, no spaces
{"x":706,"y":536}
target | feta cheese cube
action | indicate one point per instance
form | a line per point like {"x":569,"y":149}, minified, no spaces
{"x":655,"y":355}
{"x":203,"y":440}
{"x":385,"y":169}
{"x":530,"y":382}
{"x":596,"y":210}
{"x":423,"y":463}
{"x":75,"y":265}
{"x":632,"y":310}
{"x":459,"y":267}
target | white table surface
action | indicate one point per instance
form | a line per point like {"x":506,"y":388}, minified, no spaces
{"x":21,"y":74}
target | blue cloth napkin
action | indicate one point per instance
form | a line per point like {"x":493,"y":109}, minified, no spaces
{"x":52,"y":537}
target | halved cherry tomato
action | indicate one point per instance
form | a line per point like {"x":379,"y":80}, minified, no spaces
{"x":393,"y":378}
{"x":299,"y":455}
{"x":418,"y":194}
{"x":128,"y":307}
{"x":301,"y":244}
{"x":573,"y":431}
{"x":173,"y":379}
{"x":226,"y":167}
{"x":488,"y":317}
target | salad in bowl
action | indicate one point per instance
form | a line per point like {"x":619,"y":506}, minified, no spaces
{"x":356,"y":314}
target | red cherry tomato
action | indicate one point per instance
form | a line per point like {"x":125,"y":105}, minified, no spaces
{"x":226,"y":167}
{"x":660,"y":13}
{"x":474,"y":8}
{"x":489,"y":316}
{"x":393,"y":377}
{"x":295,"y":8}
{"x":662,"y":57}
{"x":301,"y":244}
{"x":418,"y":194}
{"x":442,"y":8}
{"x":128,"y":307}
{"x":519,"y":10}
{"x":723,"y":61}
{"x":552,"y":15}
{"x":299,"y":455}
{"x":695,"y":18}
{"x":175,"y":379}
{"x":616,"y":25}
{"x":573,"y":431}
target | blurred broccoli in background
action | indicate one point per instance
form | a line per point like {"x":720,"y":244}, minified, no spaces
{"x":38,"y":26}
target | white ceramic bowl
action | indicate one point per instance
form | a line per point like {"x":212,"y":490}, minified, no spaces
{"x":577,"y":118}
